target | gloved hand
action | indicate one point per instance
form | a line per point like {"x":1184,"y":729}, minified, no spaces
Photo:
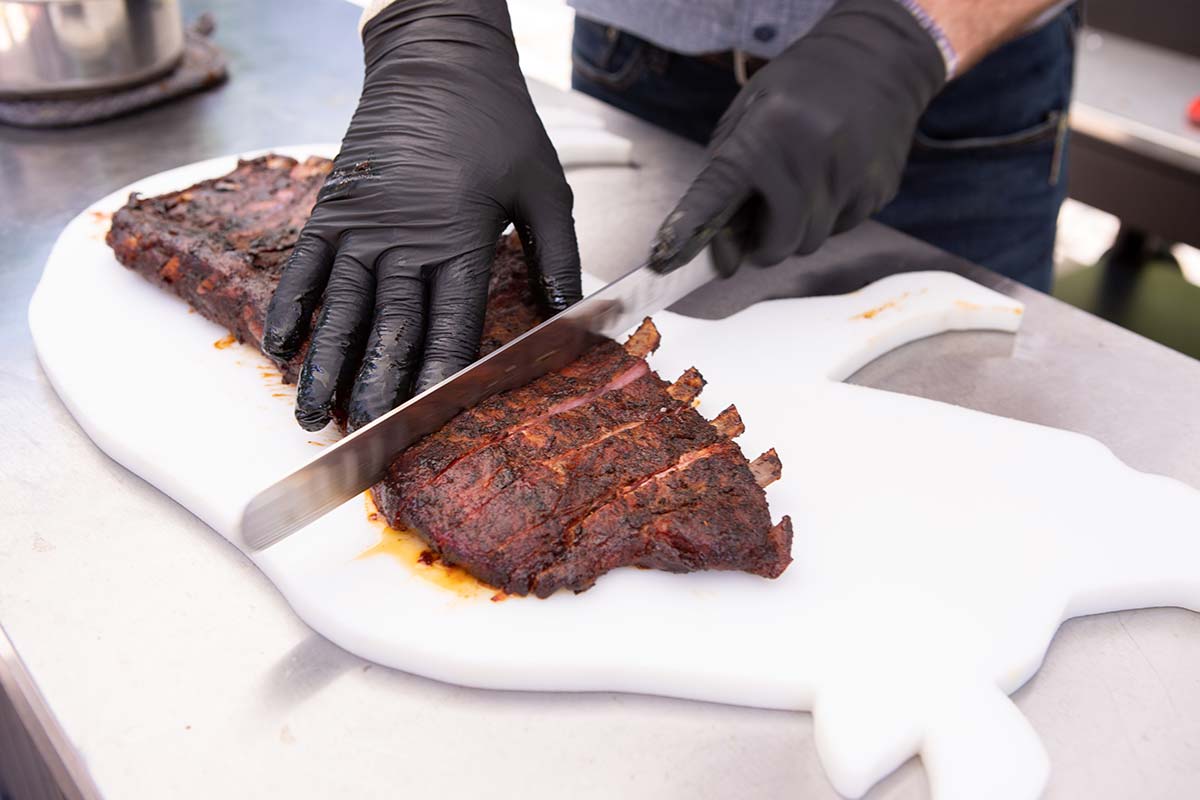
{"x":813,"y":144}
{"x":444,"y":151}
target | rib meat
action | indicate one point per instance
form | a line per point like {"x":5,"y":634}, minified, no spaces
{"x":599,"y":465}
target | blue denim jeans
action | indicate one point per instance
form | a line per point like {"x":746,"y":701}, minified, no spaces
{"x":987,"y":171}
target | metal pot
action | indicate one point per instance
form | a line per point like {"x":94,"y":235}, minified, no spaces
{"x":63,"y":47}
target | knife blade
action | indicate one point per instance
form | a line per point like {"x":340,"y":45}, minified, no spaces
{"x":360,"y":460}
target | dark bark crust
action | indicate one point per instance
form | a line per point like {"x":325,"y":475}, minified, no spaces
{"x":597,"y":466}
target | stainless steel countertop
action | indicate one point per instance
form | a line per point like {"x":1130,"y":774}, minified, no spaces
{"x":205,"y":684}
{"x":1136,"y":95}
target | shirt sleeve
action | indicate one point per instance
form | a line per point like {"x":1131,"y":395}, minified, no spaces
{"x":949,"y":55}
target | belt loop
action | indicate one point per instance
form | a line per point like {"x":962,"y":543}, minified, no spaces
{"x":739,"y":67}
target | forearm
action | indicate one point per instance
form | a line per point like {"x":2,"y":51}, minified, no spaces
{"x":976,"y":27}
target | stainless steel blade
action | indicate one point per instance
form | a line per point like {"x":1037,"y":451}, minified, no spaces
{"x":360,"y":460}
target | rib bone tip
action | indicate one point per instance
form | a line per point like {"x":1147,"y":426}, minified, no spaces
{"x":767,"y":468}
{"x":729,"y":423}
{"x":687,"y":387}
{"x":644,"y":340}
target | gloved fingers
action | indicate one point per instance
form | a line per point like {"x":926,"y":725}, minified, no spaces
{"x":732,"y":117}
{"x":393,"y":351}
{"x":457,"y":299}
{"x":729,"y":246}
{"x":547,"y":231}
{"x":819,"y":222}
{"x":799,"y":216}
{"x":791,"y":213}
{"x":299,"y":290}
{"x":336,"y":341}
{"x":857,"y":212}
{"x":718,"y":192}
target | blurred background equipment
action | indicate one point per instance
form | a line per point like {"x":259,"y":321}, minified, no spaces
{"x":52,"y":47}
{"x":74,"y":62}
{"x":1128,"y":243}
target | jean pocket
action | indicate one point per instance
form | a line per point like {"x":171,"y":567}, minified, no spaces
{"x":1045,"y":131}
{"x":1049,"y":135}
{"x":606,"y":55}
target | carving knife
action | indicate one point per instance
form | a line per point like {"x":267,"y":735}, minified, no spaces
{"x":360,"y":460}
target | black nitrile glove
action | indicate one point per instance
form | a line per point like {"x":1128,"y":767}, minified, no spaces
{"x":813,"y":144}
{"x":444,"y":151}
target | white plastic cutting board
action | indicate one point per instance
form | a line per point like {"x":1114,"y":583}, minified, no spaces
{"x":937,"y":549}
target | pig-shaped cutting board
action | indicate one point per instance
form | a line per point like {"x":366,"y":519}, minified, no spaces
{"x":936,"y":549}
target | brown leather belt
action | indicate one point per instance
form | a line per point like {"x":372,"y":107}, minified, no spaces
{"x":742,"y":66}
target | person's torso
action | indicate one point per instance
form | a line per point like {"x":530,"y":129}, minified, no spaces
{"x":762,"y":28}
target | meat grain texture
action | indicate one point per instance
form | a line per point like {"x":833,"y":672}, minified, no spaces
{"x":600,"y":465}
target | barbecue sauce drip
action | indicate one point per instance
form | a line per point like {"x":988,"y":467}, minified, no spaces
{"x":413,"y":553}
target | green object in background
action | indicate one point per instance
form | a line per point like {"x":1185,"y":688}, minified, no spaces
{"x":1152,"y":299}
